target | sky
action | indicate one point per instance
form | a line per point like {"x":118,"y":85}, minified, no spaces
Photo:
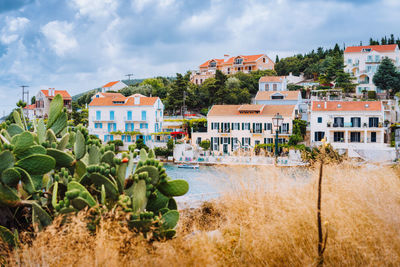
{"x":77,"y":45}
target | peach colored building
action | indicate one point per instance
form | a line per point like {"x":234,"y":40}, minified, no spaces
{"x":44,"y":98}
{"x":230,"y":65}
{"x":232,"y":126}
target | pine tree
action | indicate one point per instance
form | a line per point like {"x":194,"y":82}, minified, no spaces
{"x":276,"y":59}
{"x":387,"y":77}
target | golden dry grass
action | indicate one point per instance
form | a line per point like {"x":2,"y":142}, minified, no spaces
{"x":266,"y":219}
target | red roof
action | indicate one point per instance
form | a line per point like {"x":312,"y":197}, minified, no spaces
{"x":128,"y":101}
{"x":347,"y":106}
{"x":378,"y":48}
{"x":112,"y":94}
{"x":110,"y":84}
{"x":273,"y":79}
{"x":246,"y":59}
{"x":33,"y":106}
{"x":63,"y":93}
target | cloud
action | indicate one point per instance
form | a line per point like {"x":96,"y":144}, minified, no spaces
{"x":95,"y":8}
{"x":12,"y":29}
{"x":60,"y":36}
{"x":82,"y":44}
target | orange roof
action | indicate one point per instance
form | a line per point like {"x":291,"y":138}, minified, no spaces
{"x":110,"y":84}
{"x":346,"y":106}
{"x":112,"y":95}
{"x":33,"y":106}
{"x":378,"y":48}
{"x":288,"y":95}
{"x":128,"y":101}
{"x":272,"y":79}
{"x":63,"y":93}
{"x":246,"y":59}
{"x":266,"y":110}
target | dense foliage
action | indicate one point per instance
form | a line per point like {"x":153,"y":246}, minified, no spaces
{"x":387,"y":77}
{"x":49,"y":171}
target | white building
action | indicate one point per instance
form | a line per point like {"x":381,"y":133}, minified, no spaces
{"x":272,"y":83}
{"x":363,"y":62}
{"x":136,"y":113}
{"x":232,"y":126}
{"x":278,"y":98}
{"x":30,"y":111}
{"x":113,"y":86}
{"x":44,"y":98}
{"x":348,"y":124}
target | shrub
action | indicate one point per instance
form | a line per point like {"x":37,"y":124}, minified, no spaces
{"x":205,"y":144}
{"x":140,"y":144}
{"x":371,"y":95}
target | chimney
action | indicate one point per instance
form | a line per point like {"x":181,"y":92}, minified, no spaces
{"x":226,"y":57}
{"x":325,"y":104}
{"x":50,"y":92}
{"x":136,"y":100}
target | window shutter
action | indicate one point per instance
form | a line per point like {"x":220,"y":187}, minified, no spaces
{"x":231,"y":143}
{"x":242,"y":125}
{"x":218,"y":125}
{"x":220,"y":140}
{"x":242,"y":141}
{"x":212,"y":143}
{"x":265,"y":140}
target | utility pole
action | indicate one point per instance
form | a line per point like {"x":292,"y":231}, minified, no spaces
{"x":129,"y":76}
{"x":184,"y":105}
{"x":25,"y":93}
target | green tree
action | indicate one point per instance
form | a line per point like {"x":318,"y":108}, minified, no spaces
{"x":387,"y":77}
{"x":33,"y":100}
{"x":205,"y":144}
{"x":175,"y":94}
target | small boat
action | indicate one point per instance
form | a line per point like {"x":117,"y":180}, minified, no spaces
{"x":188,"y":166}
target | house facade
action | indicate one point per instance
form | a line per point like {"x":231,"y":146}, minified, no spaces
{"x":230,"y":65}
{"x":348,"y":124}
{"x":136,"y":113}
{"x":272,"y":83}
{"x":30,"y":111}
{"x":363,"y":61}
{"x":44,"y":98}
{"x":113,"y":86}
{"x":230,"y":127}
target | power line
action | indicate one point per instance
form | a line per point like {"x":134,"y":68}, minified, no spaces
{"x":129,"y":76}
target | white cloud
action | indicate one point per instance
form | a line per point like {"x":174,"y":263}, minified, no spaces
{"x":12,"y":29}
{"x":60,"y":36}
{"x":95,"y":8}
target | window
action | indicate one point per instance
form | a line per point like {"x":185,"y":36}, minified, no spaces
{"x":245,"y":126}
{"x":355,"y":122}
{"x":268,"y":126}
{"x":144,"y":126}
{"x":318,"y":136}
{"x":229,"y":70}
{"x":198,"y":140}
{"x":277,"y":97}
{"x":129,"y":115}
{"x":112,"y":127}
{"x":213,"y":64}
{"x":238,"y":60}
{"x":366,"y":49}
{"x":373,"y":122}
{"x":373,"y":137}
{"x":214,"y":143}
{"x":319,"y":119}
{"x":284,"y":128}
{"x":235,"y":126}
{"x":268,"y":140}
{"x":338,"y":122}
{"x":257,"y":127}
{"x":98,"y":125}
{"x":355,"y":137}
{"x":267,"y":87}
{"x":129,"y":138}
{"x":376,"y":58}
{"x":129,"y":127}
{"x":338,"y":137}
{"x":246,"y":141}
{"x":369,"y":68}
{"x":249,"y":68}
{"x":111,"y":115}
{"x":275,"y":86}
{"x":263,"y":60}
{"x":369,"y":58}
{"x":225,"y":127}
{"x":215,"y":126}
{"x":349,"y":61}
{"x":143,"y":115}
{"x":98,"y":115}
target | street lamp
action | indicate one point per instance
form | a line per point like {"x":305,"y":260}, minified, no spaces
{"x":277,"y":121}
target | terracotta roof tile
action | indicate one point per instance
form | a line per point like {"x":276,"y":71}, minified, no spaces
{"x":33,"y":106}
{"x":110,"y":84}
{"x":63,"y":93}
{"x":346,"y":106}
{"x":378,"y":48}
{"x":129,"y":101}
{"x":273,"y":79}
{"x":112,"y":94}
{"x":246,"y":59}
{"x":267,"y":110}
{"x":288,"y":95}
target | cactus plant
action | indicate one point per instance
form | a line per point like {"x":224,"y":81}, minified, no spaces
{"x":52,"y":172}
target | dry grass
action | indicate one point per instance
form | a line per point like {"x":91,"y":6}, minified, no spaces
{"x":267,"y":219}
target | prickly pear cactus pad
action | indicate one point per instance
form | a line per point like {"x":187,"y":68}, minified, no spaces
{"x":50,"y":170}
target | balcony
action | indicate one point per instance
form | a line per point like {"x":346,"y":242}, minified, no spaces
{"x":133,"y":119}
{"x":372,"y":61}
{"x":349,"y":125}
{"x":224,"y":130}
{"x":102,"y":119}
